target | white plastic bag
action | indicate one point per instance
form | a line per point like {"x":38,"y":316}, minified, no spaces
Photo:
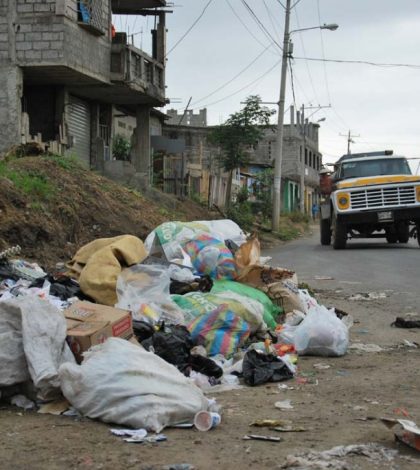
{"x":32,"y":344}
{"x":321,"y":333}
{"x":119,"y":382}
{"x":144,"y":290}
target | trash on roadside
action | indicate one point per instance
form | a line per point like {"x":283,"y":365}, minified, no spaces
{"x":121,"y":383}
{"x":270,"y":423}
{"x":335,"y":458}
{"x":321,"y":366}
{"x":284,"y":405}
{"x":370,"y":348}
{"x":259,"y":368}
{"x":22,"y":402}
{"x":206,"y":420}
{"x":56,"y":407}
{"x":248,"y":254}
{"x":403,"y":323}
{"x":290,"y":429}
{"x":368,"y":296}
{"x":257,"y":437}
{"x":408,"y":432}
{"x":98,"y":264}
{"x":321,"y":333}
{"x":89,"y":324}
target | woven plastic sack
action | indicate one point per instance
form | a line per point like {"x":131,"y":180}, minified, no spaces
{"x":211,"y":256}
{"x":220,"y":332}
{"x":271,"y":311}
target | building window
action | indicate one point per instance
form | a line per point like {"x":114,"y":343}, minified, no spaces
{"x":306,"y":156}
{"x":90,"y":16}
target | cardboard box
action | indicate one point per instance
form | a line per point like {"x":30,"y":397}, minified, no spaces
{"x":89,"y":324}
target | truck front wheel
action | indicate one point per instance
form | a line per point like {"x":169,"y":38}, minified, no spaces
{"x":403,"y":232}
{"x":391,"y":235}
{"x":339,"y":235}
{"x":325,"y":232}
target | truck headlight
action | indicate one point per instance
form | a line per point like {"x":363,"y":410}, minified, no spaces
{"x":418,"y":193}
{"x":343,"y":200}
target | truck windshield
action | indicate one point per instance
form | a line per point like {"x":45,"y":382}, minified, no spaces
{"x":385,"y":166}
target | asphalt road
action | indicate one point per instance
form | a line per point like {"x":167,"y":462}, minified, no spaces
{"x":365,"y":265}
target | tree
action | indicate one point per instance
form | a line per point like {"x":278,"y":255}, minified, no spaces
{"x":121,"y":148}
{"x":240,"y":133}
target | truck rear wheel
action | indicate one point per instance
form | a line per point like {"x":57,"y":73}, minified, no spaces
{"x":325,"y":226}
{"x":391,"y":235}
{"x":403,"y":232}
{"x":339,"y":235}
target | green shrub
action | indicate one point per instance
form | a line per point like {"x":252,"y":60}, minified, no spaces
{"x":121,"y":148}
{"x":242,"y":215}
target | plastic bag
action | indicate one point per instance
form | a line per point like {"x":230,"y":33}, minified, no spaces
{"x":211,"y":256}
{"x":321,"y":333}
{"x":220,"y":332}
{"x":32,"y":344}
{"x":169,"y":236}
{"x":259,"y":368}
{"x":119,"y":382}
{"x":195,"y":304}
{"x":271,"y":311}
{"x":144,"y":290}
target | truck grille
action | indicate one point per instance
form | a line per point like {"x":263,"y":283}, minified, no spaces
{"x":383,"y":197}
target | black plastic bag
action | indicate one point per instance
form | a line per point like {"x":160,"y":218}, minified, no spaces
{"x":259,"y":368}
{"x":173,"y":344}
{"x":205,"y":366}
{"x":403,"y":323}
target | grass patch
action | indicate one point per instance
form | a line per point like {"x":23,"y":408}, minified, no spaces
{"x":34,"y":185}
{"x":67,"y":163}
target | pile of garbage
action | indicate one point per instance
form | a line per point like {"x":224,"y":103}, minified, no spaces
{"x":138,"y":333}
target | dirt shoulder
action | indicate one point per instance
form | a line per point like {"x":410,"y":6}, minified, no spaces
{"x":338,"y":406}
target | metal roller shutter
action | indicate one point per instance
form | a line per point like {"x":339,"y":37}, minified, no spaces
{"x":79,"y":128}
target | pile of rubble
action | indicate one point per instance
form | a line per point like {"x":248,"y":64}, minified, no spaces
{"x":137,"y":334}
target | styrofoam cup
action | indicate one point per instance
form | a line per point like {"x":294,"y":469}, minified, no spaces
{"x":206,"y":420}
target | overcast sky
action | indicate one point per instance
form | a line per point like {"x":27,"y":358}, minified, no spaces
{"x":380,"y":104}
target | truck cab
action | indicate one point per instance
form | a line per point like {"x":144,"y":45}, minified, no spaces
{"x":371,"y":195}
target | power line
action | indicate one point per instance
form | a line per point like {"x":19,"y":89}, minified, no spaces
{"x":190,"y":28}
{"x":244,"y":24}
{"x":292,"y":81}
{"x":246,"y":86}
{"x":270,"y":17}
{"x":233,"y":78}
{"x":278,"y":1}
{"x":304,"y":54}
{"x":260,"y":24}
{"x":323,"y":54}
{"x":295,"y":4}
{"x":362,"y":62}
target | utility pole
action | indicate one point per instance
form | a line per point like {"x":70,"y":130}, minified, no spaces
{"x":303,"y":128}
{"x":350,"y":140}
{"x":275,"y":223}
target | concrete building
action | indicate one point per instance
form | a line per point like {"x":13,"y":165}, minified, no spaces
{"x":187,"y":118}
{"x":64,"y":74}
{"x":300,"y":143}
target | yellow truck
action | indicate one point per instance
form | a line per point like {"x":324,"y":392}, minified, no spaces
{"x":370,"y":195}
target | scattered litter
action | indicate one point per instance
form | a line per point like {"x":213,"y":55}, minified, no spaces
{"x":150,"y":439}
{"x":56,"y":407}
{"x":270,"y":423}
{"x":290,"y":429}
{"x":22,"y":402}
{"x":206,"y":420}
{"x":284,"y":405}
{"x":179,"y":466}
{"x":403,"y":323}
{"x":321,"y":366}
{"x":368,"y":296}
{"x":334,"y":458}
{"x":409,"y":432}
{"x":139,"y":433}
{"x":261,"y":438}
{"x":370,"y":348}
{"x":285,"y":387}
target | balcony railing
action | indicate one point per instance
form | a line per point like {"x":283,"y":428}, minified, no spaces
{"x":138,"y":70}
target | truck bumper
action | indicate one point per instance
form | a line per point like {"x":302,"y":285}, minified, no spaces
{"x":371,"y":217}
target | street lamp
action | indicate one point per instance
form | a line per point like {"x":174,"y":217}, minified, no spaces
{"x":280,"y":120}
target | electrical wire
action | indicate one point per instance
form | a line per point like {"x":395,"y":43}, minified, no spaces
{"x":292,"y":81}
{"x":260,"y":24}
{"x":244,"y":87}
{"x":278,"y":1}
{"x":244,"y":24}
{"x":270,"y":17}
{"x":233,"y":78}
{"x":323,"y":54}
{"x":362,"y":62}
{"x":304,"y":54}
{"x":190,"y":28}
{"x":293,"y":6}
